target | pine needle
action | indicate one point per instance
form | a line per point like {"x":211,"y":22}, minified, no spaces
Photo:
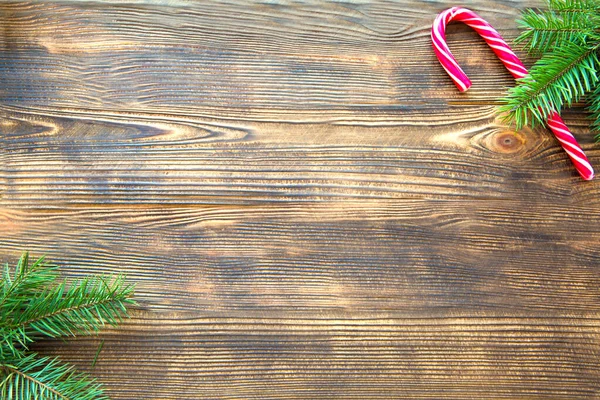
{"x":100,"y":346}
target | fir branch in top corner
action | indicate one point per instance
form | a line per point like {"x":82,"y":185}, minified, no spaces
{"x":559,"y":78}
{"x":567,"y":36}
{"x":593,"y":100}
{"x":574,"y":5}
{"x":547,"y":30}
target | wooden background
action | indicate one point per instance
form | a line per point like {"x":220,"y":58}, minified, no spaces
{"x":308,"y":206}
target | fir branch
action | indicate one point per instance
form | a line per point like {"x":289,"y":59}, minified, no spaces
{"x":32,"y":304}
{"x":16,"y":289}
{"x":574,"y":5}
{"x":547,"y":30}
{"x":559,"y":78}
{"x":26,"y":280}
{"x":82,"y":308}
{"x":593,"y":100}
{"x":12,"y":343}
{"x":46,"y":378}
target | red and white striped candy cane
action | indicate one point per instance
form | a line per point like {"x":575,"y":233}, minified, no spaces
{"x":514,"y":66}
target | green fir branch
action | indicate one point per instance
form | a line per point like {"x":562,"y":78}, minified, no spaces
{"x":34,"y":304}
{"x":82,"y":308}
{"x":593,"y":100}
{"x":12,"y":343}
{"x":17,"y":288}
{"x":45,"y":378}
{"x":559,"y":78}
{"x":26,"y":280}
{"x":567,"y":37}
{"x":574,"y":5}
{"x":547,"y":30}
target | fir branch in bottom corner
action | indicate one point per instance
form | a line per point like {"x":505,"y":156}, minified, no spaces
{"x":46,"y":378}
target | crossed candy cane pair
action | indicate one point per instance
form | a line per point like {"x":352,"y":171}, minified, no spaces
{"x":514,"y":66}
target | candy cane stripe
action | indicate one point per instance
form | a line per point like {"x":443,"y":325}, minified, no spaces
{"x":507,"y":51}
{"x":581,"y":163}
{"x":570,"y":145}
{"x":552,"y":125}
{"x":512,"y":64}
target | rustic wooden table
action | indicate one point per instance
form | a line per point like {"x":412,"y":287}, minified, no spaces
{"x":308,"y":206}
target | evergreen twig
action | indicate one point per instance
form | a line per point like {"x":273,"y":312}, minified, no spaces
{"x":34,"y":304}
{"x":567,"y":36}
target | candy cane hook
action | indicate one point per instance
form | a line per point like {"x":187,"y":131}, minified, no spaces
{"x":514,"y":66}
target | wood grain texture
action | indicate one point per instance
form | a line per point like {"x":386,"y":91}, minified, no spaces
{"x":367,"y":256}
{"x":337,"y":356}
{"x":308,"y":206}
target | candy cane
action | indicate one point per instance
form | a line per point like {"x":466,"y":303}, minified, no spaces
{"x":514,"y":66}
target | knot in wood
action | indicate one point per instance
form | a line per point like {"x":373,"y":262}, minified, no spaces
{"x":507,"y":142}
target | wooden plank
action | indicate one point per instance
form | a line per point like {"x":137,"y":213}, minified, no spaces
{"x":361,"y":255}
{"x":308,"y":206}
{"x":336,"y":356}
{"x":55,"y":158}
{"x":270,"y":116}
{"x":257,"y":60}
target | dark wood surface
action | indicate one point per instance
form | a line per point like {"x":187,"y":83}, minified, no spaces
{"x":308,"y":206}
